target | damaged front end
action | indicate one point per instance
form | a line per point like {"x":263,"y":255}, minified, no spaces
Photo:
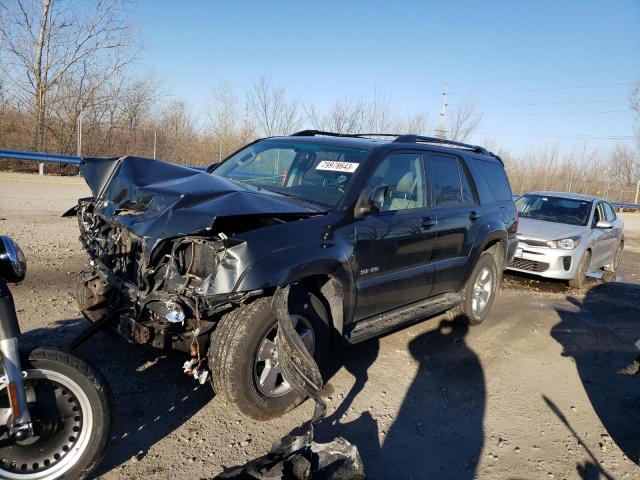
{"x":164,"y":263}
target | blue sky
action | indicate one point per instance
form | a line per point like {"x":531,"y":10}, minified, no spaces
{"x":541,"y":72}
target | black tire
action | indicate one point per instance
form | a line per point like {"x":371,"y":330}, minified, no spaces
{"x":97,"y":403}
{"x":465,"y":311}
{"x":234,"y":346}
{"x":579,"y":280}
{"x":617,"y":258}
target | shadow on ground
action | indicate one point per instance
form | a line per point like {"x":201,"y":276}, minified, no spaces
{"x":152,"y":397}
{"x":600,"y":337}
{"x":438,"y":431}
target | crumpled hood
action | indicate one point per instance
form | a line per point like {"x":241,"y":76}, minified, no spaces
{"x":541,"y":230}
{"x":157,"y":200}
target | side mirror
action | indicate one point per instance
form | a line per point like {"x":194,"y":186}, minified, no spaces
{"x":371,"y":201}
{"x":604,"y":224}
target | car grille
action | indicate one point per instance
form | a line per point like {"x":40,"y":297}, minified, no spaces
{"x":566,"y":263}
{"x":529,"y":265}
{"x":531,"y":242}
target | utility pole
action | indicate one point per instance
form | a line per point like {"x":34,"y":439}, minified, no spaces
{"x":637,"y":192}
{"x":441,"y":131}
{"x":79,"y":140}
{"x":155,"y":141}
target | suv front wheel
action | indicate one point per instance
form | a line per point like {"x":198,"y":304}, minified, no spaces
{"x":479,"y":291}
{"x":243,"y":358}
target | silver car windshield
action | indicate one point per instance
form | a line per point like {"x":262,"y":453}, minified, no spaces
{"x":554,"y":209}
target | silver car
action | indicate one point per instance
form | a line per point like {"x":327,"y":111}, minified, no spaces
{"x":566,"y":236}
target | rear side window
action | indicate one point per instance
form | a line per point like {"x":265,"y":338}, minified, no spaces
{"x":451,"y":187}
{"x":495,"y":178}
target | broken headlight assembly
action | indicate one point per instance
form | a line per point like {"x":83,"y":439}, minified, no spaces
{"x":193,"y":265}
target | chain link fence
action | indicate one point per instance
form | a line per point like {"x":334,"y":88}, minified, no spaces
{"x":17,"y":132}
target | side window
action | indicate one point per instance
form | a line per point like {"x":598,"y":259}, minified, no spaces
{"x":404,"y":175}
{"x":598,"y":214}
{"x":447,"y":190}
{"x":496,"y":179}
{"x":467,"y":192}
{"x":609,"y":213}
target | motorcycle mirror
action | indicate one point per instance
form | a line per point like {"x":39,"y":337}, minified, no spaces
{"x":13,"y":264}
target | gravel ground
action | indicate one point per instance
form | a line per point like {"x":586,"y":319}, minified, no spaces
{"x":531,"y":393}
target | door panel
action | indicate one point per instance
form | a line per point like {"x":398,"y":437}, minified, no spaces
{"x":393,"y":247}
{"x":456,"y":232}
{"x":459,"y":219}
{"x":393,"y":254}
{"x":608,"y":239}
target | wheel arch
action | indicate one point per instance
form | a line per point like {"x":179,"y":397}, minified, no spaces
{"x":496,"y":240}
{"x":331,"y":291}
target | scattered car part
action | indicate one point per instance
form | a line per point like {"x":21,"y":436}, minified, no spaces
{"x":57,"y":411}
{"x":298,"y":456}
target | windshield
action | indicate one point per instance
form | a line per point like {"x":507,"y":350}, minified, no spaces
{"x":315,"y":173}
{"x":554,"y":209}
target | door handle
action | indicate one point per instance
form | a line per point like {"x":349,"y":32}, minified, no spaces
{"x":427,"y":222}
{"x":473,"y":216}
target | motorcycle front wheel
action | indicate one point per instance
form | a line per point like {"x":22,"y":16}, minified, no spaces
{"x":72,"y":412}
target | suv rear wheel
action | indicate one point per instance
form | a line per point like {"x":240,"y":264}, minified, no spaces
{"x":243,"y":359}
{"x":479,"y":292}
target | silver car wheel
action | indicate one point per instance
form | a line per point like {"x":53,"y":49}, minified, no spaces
{"x":617,"y":258}
{"x":482,"y":289}
{"x":267,"y":372}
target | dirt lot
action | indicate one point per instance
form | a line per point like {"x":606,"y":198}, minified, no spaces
{"x":531,"y":393}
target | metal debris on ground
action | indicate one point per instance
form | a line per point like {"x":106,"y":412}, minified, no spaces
{"x":297,"y":456}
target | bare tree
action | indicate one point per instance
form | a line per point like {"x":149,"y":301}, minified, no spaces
{"x":463,"y":121}
{"x":229,"y":124}
{"x":273,"y":112}
{"x":345,"y":116}
{"x":48,"y":42}
{"x":625,"y":166}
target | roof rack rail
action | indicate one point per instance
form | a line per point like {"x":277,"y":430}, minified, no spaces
{"x":312,"y":133}
{"x":419,"y":138}
{"x":401,"y":138}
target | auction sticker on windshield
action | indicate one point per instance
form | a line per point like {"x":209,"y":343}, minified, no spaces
{"x":337,"y":166}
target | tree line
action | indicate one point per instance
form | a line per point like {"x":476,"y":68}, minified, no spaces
{"x":69,"y":77}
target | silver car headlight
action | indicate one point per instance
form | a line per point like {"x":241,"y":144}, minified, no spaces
{"x":565,"y":243}
{"x":13,"y":265}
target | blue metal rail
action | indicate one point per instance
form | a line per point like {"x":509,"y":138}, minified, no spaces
{"x":39,"y":157}
{"x":52,"y":157}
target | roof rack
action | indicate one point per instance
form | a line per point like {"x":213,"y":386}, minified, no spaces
{"x":313,"y":133}
{"x":444,"y":141}
{"x":401,"y":138}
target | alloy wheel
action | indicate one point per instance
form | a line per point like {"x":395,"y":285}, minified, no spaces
{"x":482,"y":289}
{"x":267,"y":372}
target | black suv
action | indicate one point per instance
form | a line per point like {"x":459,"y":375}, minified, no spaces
{"x":371,"y":232}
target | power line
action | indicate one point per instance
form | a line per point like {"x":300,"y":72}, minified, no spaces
{"x":546,"y":89}
{"x":535,"y":114}
{"x":572,"y":87}
{"x":571,"y":102}
{"x":536,"y":77}
{"x":576,"y":137}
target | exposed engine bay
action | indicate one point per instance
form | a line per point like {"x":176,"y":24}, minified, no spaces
{"x":164,"y":265}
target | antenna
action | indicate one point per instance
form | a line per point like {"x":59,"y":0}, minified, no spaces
{"x":441,"y":130}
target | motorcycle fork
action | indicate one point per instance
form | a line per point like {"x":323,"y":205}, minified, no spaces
{"x":21,"y":426}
